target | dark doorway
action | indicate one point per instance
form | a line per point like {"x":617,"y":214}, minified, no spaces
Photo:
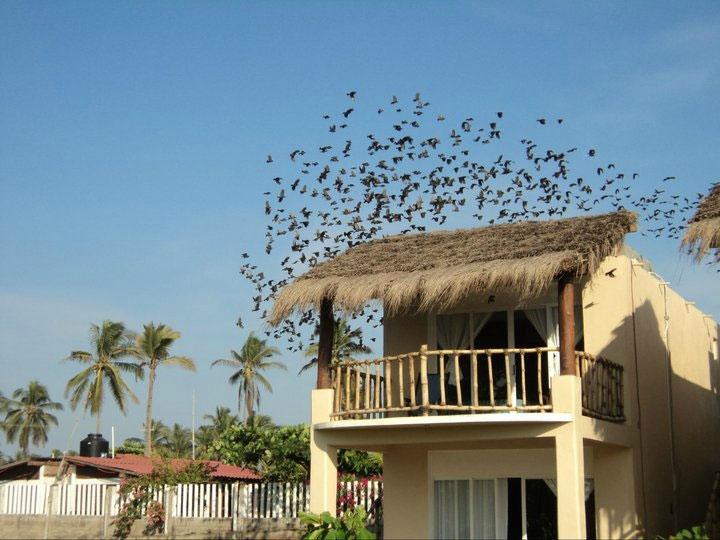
{"x":541,"y":509}
{"x":527,"y":337}
{"x":541,"y":512}
{"x":494,"y":335}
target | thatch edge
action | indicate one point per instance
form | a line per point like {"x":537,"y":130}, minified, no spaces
{"x":436,"y":289}
{"x":701,"y":236}
{"x":441,"y":288}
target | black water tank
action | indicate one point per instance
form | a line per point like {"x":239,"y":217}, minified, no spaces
{"x":94,"y":446}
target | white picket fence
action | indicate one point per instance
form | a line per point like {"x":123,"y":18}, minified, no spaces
{"x":79,"y":499}
{"x":205,"y":501}
{"x":25,"y":498}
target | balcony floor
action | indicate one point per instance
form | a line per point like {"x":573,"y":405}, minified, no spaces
{"x":508,"y":418}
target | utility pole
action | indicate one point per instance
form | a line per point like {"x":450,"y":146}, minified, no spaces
{"x":193,"y":425}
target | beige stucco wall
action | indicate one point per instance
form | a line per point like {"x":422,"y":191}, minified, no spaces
{"x":405,"y":487}
{"x":624,"y":319}
{"x":624,"y":309}
{"x":692,"y":381}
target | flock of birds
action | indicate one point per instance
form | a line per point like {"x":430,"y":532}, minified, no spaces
{"x":419,"y":174}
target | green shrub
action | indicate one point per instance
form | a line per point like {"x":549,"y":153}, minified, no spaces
{"x":326,"y":527}
{"x":694,"y":533}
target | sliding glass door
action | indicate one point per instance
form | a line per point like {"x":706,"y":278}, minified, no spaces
{"x":526,"y":328}
{"x":501,"y":508}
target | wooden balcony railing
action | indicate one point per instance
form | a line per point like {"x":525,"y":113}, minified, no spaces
{"x":481,"y":380}
{"x":602,"y":387}
{"x":468,"y":381}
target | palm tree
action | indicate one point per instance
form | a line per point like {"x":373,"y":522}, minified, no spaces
{"x":249,"y":364}
{"x":152,"y":348}
{"x":111,"y":343}
{"x":260,"y":421}
{"x":178,"y":441}
{"x":158,"y":432}
{"x":221,"y":420}
{"x":204,"y":437}
{"x":346,"y":344}
{"x":27,"y":415}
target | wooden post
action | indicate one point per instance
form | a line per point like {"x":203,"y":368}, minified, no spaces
{"x":424,"y":380}
{"x":411,"y":377}
{"x":566,"y":310}
{"x":325,"y":345}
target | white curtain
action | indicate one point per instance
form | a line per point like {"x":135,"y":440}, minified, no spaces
{"x":553,"y":335}
{"x":445,"y":509}
{"x":589,"y":486}
{"x":501,"y":504}
{"x":484,"y":509}
{"x":454,"y":514}
{"x":553,"y":341}
{"x":539,"y":320}
{"x":458,"y":331}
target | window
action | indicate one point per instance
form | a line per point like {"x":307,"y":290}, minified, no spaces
{"x":527,"y":327}
{"x":470,"y":509}
{"x":502,"y":508}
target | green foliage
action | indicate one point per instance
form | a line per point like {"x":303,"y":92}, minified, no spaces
{"x":139,"y":493}
{"x":240,"y":445}
{"x":694,"y":533}
{"x":104,"y":367}
{"x":28,"y":417}
{"x":152,"y":349}
{"x":249,"y":363}
{"x":282,"y":454}
{"x":287,"y":454}
{"x":326,"y":527}
{"x":347,"y":343}
{"x":131,"y":445}
{"x":178,"y":442}
{"x":360,"y":464}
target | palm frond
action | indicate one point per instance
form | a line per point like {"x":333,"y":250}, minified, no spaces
{"x":181,"y":361}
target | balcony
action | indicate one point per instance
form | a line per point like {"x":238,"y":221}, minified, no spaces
{"x":469,"y":381}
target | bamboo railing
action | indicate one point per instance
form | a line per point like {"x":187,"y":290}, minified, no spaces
{"x":602,"y":387}
{"x":400,"y":384}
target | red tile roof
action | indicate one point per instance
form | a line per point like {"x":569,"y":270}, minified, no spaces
{"x":136,"y":465}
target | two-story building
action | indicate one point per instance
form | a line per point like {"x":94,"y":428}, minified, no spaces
{"x":538,"y":381}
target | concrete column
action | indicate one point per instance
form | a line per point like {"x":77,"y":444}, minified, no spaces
{"x":405,"y":493}
{"x":169,"y":504}
{"x":569,"y":458}
{"x":110,"y":490}
{"x":323,"y":458}
{"x":615,"y":495}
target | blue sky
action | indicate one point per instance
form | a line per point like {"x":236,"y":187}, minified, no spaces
{"x":133,"y":139}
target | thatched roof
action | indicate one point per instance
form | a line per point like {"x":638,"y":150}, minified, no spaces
{"x":703,"y":231}
{"x":428,"y":271}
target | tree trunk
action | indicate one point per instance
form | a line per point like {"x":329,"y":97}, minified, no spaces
{"x":97,"y":423}
{"x":325,"y":344}
{"x":148,"y":412}
{"x":566,"y":310}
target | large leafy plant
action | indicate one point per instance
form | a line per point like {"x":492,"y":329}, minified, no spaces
{"x":351,"y":526}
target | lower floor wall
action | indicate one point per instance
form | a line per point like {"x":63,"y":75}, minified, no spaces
{"x":415,"y":476}
{"x":61,"y":527}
